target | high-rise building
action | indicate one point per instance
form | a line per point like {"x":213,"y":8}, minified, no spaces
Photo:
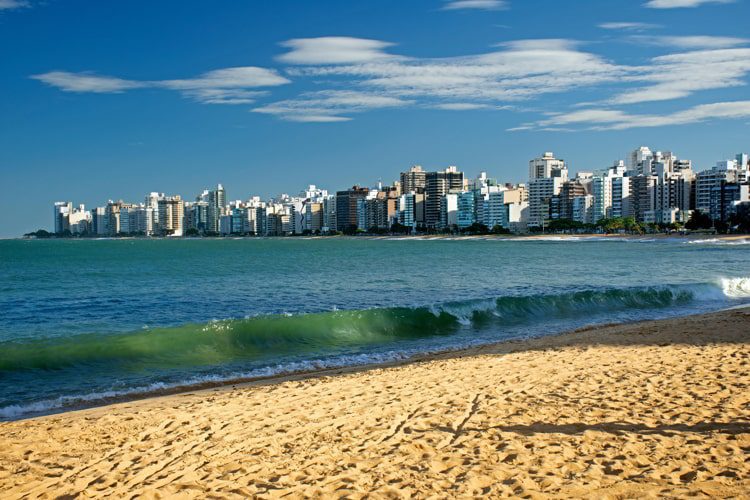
{"x":171,"y":216}
{"x":639,"y":161}
{"x":620,"y":197}
{"x":196,"y":216}
{"x":466,"y":209}
{"x":561,"y":204}
{"x":546,"y":178}
{"x":541,"y":192}
{"x":743,"y":161}
{"x":413,"y":180}
{"x":644,"y":198}
{"x":67,"y":219}
{"x":314,"y":216}
{"x":133,"y":219}
{"x":582,"y":209}
{"x":217,"y":199}
{"x":494,"y":209}
{"x":61,"y":210}
{"x":449,"y":211}
{"x":437,"y":185}
{"x":708,"y":183}
{"x":79,"y":221}
{"x":329,"y":213}
{"x":376,"y":211}
{"x":602,"y":191}
{"x":547,"y":166}
{"x":347,"y":203}
{"x":112,"y":214}
{"x":675,"y":194}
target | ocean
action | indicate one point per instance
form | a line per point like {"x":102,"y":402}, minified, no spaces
{"x":87,"y":321}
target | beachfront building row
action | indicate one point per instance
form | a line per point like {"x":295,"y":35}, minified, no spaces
{"x":651,"y":187}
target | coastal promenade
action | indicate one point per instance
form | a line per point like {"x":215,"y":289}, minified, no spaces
{"x":652,"y":408}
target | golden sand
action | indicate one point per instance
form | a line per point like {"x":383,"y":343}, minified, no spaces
{"x":656,"y":408}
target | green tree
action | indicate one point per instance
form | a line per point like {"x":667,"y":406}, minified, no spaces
{"x":699,"y":220}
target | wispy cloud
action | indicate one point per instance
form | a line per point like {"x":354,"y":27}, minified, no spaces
{"x":461,"y":106}
{"x":475,"y":5}
{"x":329,"y":105}
{"x":334,"y":50}
{"x":675,"y":4}
{"x":222,"y":86}
{"x":241,"y":77}
{"x":517,"y":70}
{"x":610,"y":119}
{"x":691,"y":42}
{"x":345,"y":76}
{"x":629,"y":26}
{"x":13,"y":4}
{"x":87,"y":82}
{"x":680,"y":75}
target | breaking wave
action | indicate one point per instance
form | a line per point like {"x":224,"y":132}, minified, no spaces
{"x":314,"y":340}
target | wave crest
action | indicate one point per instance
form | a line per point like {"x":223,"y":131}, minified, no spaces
{"x":225,"y":341}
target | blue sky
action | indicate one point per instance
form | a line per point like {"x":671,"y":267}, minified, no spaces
{"x":116,"y":99}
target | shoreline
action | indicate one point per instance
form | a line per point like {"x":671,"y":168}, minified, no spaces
{"x":653,"y":407}
{"x":265,"y":380}
{"x":508,"y":237}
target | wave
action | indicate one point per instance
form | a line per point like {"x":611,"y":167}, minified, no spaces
{"x":720,"y":241}
{"x":219,"y":342}
{"x":737,"y":288}
{"x":264,"y":346}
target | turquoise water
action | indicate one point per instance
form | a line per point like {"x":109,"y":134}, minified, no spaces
{"x":84,"y":321}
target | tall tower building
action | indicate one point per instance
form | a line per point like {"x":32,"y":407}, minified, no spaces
{"x":413,"y":180}
{"x":216,"y":201}
{"x":438,"y":184}
{"x":547,"y":166}
{"x":349,"y":205}
{"x":61,"y":213}
{"x":639,"y":161}
{"x":546,"y":178}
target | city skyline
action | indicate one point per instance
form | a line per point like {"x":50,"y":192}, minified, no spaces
{"x":648,"y":187}
{"x":362,"y":93}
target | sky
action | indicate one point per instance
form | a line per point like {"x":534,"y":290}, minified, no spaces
{"x":112,"y":100}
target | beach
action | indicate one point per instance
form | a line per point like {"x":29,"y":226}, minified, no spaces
{"x":643,"y":409}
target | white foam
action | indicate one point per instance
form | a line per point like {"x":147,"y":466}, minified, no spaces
{"x":736,"y":288}
{"x":720,"y":241}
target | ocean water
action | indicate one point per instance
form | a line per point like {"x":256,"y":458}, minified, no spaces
{"x":82,"y":322}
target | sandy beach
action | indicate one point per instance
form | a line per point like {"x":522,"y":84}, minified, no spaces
{"x":647,"y":409}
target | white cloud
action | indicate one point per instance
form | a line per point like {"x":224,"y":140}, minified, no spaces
{"x":460,"y":106}
{"x":674,"y":4}
{"x":680,"y":75}
{"x":224,"y":96}
{"x":692,"y":42}
{"x":308,"y":118}
{"x":13,"y":4}
{"x":475,"y":4}
{"x":584,"y":116}
{"x":353,"y":75}
{"x":240,"y":77}
{"x":609,"y":119}
{"x":519,"y":70}
{"x":333,"y":50}
{"x":87,"y":82}
{"x":515,"y":71}
{"x":628,"y":26}
{"x":329,"y":105}
{"x":222,"y":86}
